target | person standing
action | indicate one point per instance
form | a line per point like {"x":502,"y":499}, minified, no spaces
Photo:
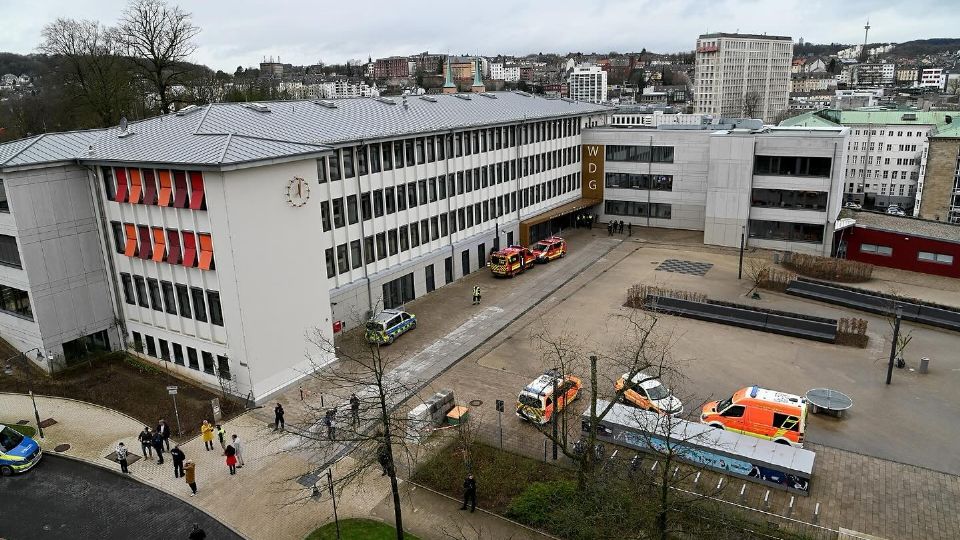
{"x":178,"y":457}
{"x":122,"y":458}
{"x":197,"y":533}
{"x":620,"y":228}
{"x":630,"y":229}
{"x":206,"y":432}
{"x":278,"y":417}
{"x":146,"y":442}
{"x":610,"y":229}
{"x":231,"y":454}
{"x":158,"y":446}
{"x":469,"y":493}
{"x":355,"y":409}
{"x":190,"y":476}
{"x":238,"y":448}
{"x":383,"y":458}
{"x":221,"y":436}
{"x":164,"y":430}
{"x":476,"y":294}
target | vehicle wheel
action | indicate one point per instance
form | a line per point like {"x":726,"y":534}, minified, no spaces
{"x":717,"y":426}
{"x":414,"y":325}
{"x":6,"y":471}
{"x":782,"y":441}
{"x":390,"y":340}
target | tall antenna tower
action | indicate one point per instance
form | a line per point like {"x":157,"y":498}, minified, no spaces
{"x":866,"y":32}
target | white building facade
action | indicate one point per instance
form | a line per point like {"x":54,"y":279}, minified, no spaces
{"x":214,"y":241}
{"x":933,"y":78}
{"x":740,"y":73}
{"x":588,"y":83}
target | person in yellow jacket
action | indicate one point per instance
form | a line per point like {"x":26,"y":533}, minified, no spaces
{"x":206,"y":432}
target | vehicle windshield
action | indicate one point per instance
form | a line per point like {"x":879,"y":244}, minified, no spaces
{"x":497,"y":259}
{"x":9,"y":439}
{"x":529,"y":401}
{"x":539,"y":246}
{"x":721,"y":405}
{"x":658,"y":392}
{"x":374,"y":326}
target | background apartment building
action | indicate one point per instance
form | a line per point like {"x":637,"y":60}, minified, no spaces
{"x":939,"y":196}
{"x":779,"y":186}
{"x":740,"y":75}
{"x":588,"y":83}
{"x":215,"y":240}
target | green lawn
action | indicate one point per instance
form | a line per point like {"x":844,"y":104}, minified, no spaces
{"x":27,"y":430}
{"x":357,"y":529}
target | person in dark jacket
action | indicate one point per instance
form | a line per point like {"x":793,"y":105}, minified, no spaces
{"x":178,"y":458}
{"x":158,"y":446}
{"x":469,"y":493}
{"x":383,"y":458}
{"x":146,"y":442}
{"x":278,"y":417}
{"x":197,"y":533}
{"x":164,"y":430}
{"x":122,"y":458}
{"x":355,"y":409}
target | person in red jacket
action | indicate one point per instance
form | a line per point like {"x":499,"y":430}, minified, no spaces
{"x":231,"y":454}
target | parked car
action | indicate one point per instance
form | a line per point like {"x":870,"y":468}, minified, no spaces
{"x":852,"y":205}
{"x":388,"y":325}
{"x":18,"y":453}
{"x":895,"y":210}
{"x":647,"y":392}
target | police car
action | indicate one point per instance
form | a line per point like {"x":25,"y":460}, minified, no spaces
{"x":18,"y":453}
{"x":388,"y":325}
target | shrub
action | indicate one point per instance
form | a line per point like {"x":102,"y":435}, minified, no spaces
{"x":537,"y":504}
{"x":639,"y":292}
{"x":828,"y":268}
{"x":852,"y":332}
{"x":775,"y":280}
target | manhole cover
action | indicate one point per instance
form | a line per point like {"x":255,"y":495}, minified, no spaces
{"x":61,"y":448}
{"x":48,"y":422}
{"x":476,"y":403}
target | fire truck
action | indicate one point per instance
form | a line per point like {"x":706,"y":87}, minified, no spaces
{"x":511,"y":261}
{"x":549,"y":249}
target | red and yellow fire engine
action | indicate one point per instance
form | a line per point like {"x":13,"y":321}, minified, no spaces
{"x":510,"y":261}
{"x":549,"y":249}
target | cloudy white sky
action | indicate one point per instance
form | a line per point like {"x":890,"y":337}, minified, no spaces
{"x":242,"y":32}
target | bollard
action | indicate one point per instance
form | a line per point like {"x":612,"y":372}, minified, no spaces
{"x":654,"y":467}
{"x":321,"y":399}
{"x":766,"y":500}
{"x":544,"y":450}
{"x":675,"y":469}
{"x":719,"y":484}
{"x":743,"y":491}
{"x":696,"y":479}
{"x":924,"y":365}
{"x":816,"y":513}
{"x":614,"y":454}
{"x":790,"y":506}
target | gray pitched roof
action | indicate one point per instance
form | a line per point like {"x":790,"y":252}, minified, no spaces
{"x":224,"y":134}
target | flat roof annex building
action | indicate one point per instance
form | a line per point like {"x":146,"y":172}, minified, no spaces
{"x":214,"y":239}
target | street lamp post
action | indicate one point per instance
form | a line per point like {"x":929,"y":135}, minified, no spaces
{"x":743,"y":234}
{"x":893,"y":345}
{"x":29,"y":368}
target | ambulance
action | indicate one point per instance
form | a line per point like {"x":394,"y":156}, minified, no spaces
{"x":759,"y":412}
{"x":549,"y":249}
{"x":536,"y":401}
{"x":511,"y":261}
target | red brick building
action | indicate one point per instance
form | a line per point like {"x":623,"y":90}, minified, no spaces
{"x":394,"y":67}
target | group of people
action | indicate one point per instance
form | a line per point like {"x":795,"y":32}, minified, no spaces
{"x":616,"y":227}
{"x":585,"y":221}
{"x":156,"y":440}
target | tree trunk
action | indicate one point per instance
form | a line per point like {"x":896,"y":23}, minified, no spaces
{"x":392,"y":469}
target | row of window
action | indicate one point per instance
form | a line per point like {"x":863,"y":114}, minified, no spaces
{"x":787,"y":231}
{"x":655,"y":182}
{"x":876,"y":174}
{"x":926,"y":256}
{"x":9,"y":252}
{"x":166,"y":296}
{"x":789,"y":199}
{"x":386,"y":156}
{"x":186,"y":248}
{"x":339,"y":211}
{"x":890,"y":133}
{"x":381,"y":245}
{"x":160,"y":349}
{"x":179,"y":189}
{"x":638,"y":209}
{"x":15,"y":301}
{"x":642,"y":154}
{"x":792,"y":166}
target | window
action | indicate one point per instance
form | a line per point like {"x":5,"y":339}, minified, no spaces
{"x":790,"y":199}
{"x":940,"y":258}
{"x":435,"y":227}
{"x":177,"y":354}
{"x":361,"y":160}
{"x":378,"y":203}
{"x":414,"y":235}
{"x":348,"y":162}
{"x":428,"y":274}
{"x":420,"y":151}
{"x":443,"y":224}
{"x":408,"y":145}
{"x":335,"y":166}
{"x":431,"y":153}
{"x":166,"y":189}
{"x":216,"y":311}
{"x":392,"y":241}
{"x":797,"y":166}
{"x":151,"y":346}
{"x":169,"y":298}
{"x":366,"y":210}
{"x":331,"y":264}
{"x":155,"y":301}
{"x":656,"y":182}
{"x":638,"y":209}
{"x":10,"y":255}
{"x":164,"y":350}
{"x":173,"y":247}
{"x":128,"y":294}
{"x":398,"y":154}
{"x":368,"y":253}
{"x":206,"y":251}
{"x":643,"y":154}
{"x":786,"y":231}
{"x":322,"y":170}
{"x":196,"y":191}
{"x":401,"y":198}
{"x":109,"y":186}
{"x":223,"y":367}
{"x":387,"y":154}
{"x":181,"y":195}
{"x":141,"y":291}
{"x":337,"y":212}
{"x":412,"y":194}
{"x":375,"y":158}
{"x":343,"y":264}
{"x":207,"y":362}
{"x":137,"y":342}
{"x":192,"y":358}
{"x":183,"y":300}
{"x":199,"y":305}
{"x":448,"y":270}
{"x":422,"y":187}
{"x":404,"y":238}
{"x":734,"y":411}
{"x":381,"y":246}
{"x":146,"y":245}
{"x":398,"y":291}
{"x":352,"y":209}
{"x":150,"y":187}
{"x":424,"y":231}
{"x":355,"y":254}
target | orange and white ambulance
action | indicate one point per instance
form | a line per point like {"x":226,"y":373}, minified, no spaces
{"x":759,"y":412}
{"x":537,"y":401}
{"x":511,"y":261}
{"x":549,"y":249}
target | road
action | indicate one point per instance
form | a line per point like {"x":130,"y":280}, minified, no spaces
{"x":62,"y":498}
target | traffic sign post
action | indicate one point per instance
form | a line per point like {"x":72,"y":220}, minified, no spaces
{"x":172,"y":390}
{"x":500,"y":420}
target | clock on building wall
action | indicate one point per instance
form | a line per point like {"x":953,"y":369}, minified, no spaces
{"x":298,"y":192}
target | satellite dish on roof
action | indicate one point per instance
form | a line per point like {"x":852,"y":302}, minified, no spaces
{"x":123,"y":124}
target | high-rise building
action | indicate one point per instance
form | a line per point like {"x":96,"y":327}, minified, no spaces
{"x":743,"y":75}
{"x":588,"y":83}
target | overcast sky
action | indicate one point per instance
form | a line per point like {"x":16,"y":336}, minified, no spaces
{"x":242,"y":32}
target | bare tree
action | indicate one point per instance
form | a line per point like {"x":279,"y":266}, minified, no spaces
{"x":751,"y":104}
{"x":91,"y":65}
{"x":783,"y":115}
{"x":159,"y":37}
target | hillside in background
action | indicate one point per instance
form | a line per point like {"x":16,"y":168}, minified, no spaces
{"x":23,"y":64}
{"x":920,"y":47}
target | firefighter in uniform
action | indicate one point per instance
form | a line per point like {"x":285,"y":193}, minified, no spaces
{"x":476,"y":295}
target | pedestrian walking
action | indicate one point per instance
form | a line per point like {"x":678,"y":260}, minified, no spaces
{"x":476,"y":294}
{"x":164,"y":430}
{"x":158,"y":446}
{"x":278,"y":417}
{"x":630,"y":229}
{"x":469,"y":493}
{"x":122,"y":458}
{"x":206,"y":432}
{"x":620,"y":227}
{"x":238,"y":447}
{"x":178,"y":458}
{"x":221,"y":436}
{"x":146,"y":442}
{"x":383,"y":458}
{"x":610,"y":229}
{"x":190,"y":476}
{"x":355,"y":409}
{"x":231,"y":454}
{"x":197,"y":533}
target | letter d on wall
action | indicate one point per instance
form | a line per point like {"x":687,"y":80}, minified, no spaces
{"x":592,"y":159}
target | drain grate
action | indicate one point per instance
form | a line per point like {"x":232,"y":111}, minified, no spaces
{"x":61,"y":447}
{"x":684,"y":267}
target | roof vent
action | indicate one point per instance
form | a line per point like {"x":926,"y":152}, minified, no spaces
{"x":187,"y":110}
{"x":259,"y":107}
{"x":431,"y":99}
{"x":326,"y":103}
{"x":522,"y":93}
{"x":488,"y":95}
{"x":909,"y":116}
{"x":386,"y":101}
{"x":464,"y":96}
